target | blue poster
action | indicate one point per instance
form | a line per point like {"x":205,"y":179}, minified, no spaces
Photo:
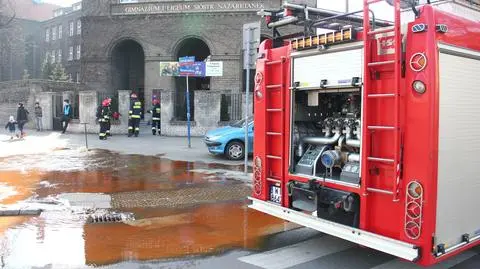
{"x":193,"y":69}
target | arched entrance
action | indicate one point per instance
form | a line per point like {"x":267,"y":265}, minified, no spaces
{"x":190,"y":47}
{"x":128,"y":68}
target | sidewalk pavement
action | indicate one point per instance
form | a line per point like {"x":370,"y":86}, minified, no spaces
{"x":173,"y":148}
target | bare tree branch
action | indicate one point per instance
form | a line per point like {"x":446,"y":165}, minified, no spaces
{"x":5,"y":18}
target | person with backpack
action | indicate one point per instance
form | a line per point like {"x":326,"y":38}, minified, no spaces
{"x":66,"y":115}
{"x":22,"y":118}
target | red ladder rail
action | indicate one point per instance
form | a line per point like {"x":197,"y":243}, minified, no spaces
{"x":371,"y":94}
{"x":275,"y":87}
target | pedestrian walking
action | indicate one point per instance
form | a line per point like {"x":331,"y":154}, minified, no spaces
{"x":38,"y":117}
{"x":134,"y":115}
{"x":103,"y":116}
{"x":11,"y":126}
{"x":155,"y":116}
{"x":67,"y":115}
{"x":22,"y":118}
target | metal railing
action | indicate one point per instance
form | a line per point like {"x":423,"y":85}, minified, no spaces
{"x":231,"y":107}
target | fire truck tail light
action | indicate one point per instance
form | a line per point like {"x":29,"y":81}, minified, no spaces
{"x":413,"y":210}
{"x":415,"y":190}
{"x":419,"y":87}
{"x":418,"y":62}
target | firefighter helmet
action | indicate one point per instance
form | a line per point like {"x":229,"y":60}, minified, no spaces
{"x":133,"y":95}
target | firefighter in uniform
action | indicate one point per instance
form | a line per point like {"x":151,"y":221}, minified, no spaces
{"x":155,"y":117}
{"x":134,"y":115}
{"x":103,"y":116}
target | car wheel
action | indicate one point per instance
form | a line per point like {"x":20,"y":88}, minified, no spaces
{"x":235,"y":150}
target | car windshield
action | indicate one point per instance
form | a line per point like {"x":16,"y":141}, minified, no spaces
{"x":241,"y":123}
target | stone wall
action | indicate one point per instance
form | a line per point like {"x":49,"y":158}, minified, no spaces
{"x":30,"y":91}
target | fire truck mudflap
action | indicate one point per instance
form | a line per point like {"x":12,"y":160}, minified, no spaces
{"x":388,"y":245}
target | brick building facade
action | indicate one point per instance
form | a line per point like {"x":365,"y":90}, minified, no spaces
{"x":124,"y":43}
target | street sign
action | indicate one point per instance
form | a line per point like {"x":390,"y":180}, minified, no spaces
{"x":251,"y":42}
{"x":186,"y":59}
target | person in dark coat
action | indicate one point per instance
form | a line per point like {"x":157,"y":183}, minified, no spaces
{"x":66,"y":115}
{"x":38,"y":116}
{"x":22,"y":118}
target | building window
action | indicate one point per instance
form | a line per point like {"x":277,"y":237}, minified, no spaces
{"x":60,"y":32}
{"x":71,"y":28}
{"x":59,"y":56}
{"x":79,"y":27}
{"x":77,"y":6}
{"x":47,"y":35}
{"x":78,"y":52}
{"x":70,"y":53}
{"x":78,"y":77}
{"x":52,"y":54}
{"x":47,"y":56}
{"x":54,"y":33}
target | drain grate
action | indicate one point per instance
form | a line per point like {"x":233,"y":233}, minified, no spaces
{"x":110,"y":217}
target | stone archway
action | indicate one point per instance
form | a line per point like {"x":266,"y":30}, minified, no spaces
{"x":196,"y":47}
{"x":128,"y":67}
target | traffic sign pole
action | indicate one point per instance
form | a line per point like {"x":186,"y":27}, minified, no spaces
{"x":250,"y":45}
{"x":188,"y":115}
{"x":247,"y":83}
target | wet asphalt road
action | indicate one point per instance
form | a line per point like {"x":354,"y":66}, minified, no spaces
{"x":187,"y":215}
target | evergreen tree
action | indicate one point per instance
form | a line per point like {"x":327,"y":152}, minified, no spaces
{"x":58,"y":73}
{"x":46,"y":69}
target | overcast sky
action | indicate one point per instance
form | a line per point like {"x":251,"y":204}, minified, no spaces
{"x":64,"y":3}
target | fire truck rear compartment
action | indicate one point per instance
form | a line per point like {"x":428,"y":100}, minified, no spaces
{"x":326,"y":145}
{"x":326,"y":131}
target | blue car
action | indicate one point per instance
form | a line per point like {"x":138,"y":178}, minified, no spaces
{"x":230,"y":140}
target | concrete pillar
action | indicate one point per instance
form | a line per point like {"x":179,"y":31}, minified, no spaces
{"x":207,"y":109}
{"x":123,"y":106}
{"x":87,"y":107}
{"x":167,"y":106}
{"x":46,"y":102}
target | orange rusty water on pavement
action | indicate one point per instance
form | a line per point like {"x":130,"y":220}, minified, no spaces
{"x":203,"y":230}
{"x":157,"y":233}
{"x":24,"y":185}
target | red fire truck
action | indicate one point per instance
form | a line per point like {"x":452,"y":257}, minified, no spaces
{"x":371,"y":134}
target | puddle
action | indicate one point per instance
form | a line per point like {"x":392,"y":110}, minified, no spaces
{"x":181,"y":209}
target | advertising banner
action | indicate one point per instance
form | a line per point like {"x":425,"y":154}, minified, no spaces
{"x":214,"y":69}
{"x":192,"y":69}
{"x":169,"y":69}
